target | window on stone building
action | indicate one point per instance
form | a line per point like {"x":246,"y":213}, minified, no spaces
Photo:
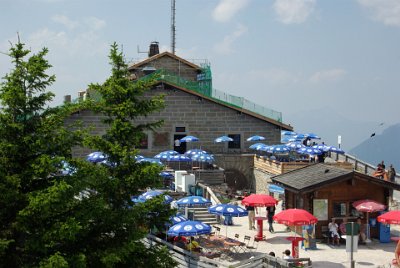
{"x":180,"y":129}
{"x":235,"y":144}
{"x":144,"y":142}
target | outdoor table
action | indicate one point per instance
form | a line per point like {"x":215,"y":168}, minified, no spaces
{"x":259,"y":236}
{"x":295,"y":245}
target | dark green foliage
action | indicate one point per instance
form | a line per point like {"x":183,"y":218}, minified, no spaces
{"x":85,"y":219}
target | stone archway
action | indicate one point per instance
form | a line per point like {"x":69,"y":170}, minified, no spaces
{"x":236,"y":180}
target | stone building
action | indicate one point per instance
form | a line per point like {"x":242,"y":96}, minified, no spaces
{"x":194,"y":108}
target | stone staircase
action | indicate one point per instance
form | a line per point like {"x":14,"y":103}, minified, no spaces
{"x":201,"y":214}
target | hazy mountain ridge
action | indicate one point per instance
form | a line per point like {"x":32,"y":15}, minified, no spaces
{"x":385,"y":146}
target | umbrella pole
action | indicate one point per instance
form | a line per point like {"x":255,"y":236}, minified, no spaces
{"x":368,"y":240}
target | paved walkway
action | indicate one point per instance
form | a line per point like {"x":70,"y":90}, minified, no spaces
{"x":374,"y":254}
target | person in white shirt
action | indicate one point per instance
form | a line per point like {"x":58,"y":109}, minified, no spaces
{"x":333,"y":231}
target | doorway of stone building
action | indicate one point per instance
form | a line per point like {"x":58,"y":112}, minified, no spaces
{"x":180,"y":147}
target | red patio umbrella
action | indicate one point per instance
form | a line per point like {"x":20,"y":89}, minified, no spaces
{"x":296,"y":217}
{"x":391,"y":217}
{"x":259,"y":200}
{"x":367,"y":205}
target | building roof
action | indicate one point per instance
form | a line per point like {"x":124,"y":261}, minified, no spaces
{"x":313,"y":177}
{"x":163,"y":54}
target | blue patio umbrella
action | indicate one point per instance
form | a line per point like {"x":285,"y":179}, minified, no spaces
{"x":195,"y":151}
{"x":309,"y":151}
{"x":321,"y":147}
{"x":166,"y":175}
{"x":295,"y":145}
{"x":180,"y":158}
{"x":203,"y":158}
{"x":288,"y":133}
{"x":138,"y":157}
{"x":151,"y":194}
{"x":265,"y":148}
{"x":96,"y":157}
{"x":150,"y":160}
{"x":334,"y":150}
{"x":177,"y":219}
{"x":193,"y":201}
{"x":256,"y":138}
{"x":272,"y":188}
{"x":278,"y":148}
{"x":255,"y":146}
{"x":312,"y":136}
{"x":227,"y":210}
{"x":189,"y":228}
{"x":189,"y":139}
{"x":223,"y":139}
{"x":165,"y":154}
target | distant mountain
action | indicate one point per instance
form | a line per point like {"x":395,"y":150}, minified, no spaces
{"x":385,"y":146}
{"x":328,"y":125}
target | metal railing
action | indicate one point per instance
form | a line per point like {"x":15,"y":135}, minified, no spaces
{"x":359,"y":165}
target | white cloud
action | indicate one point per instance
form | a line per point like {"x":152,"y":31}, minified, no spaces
{"x":225,"y":47}
{"x":95,"y":23}
{"x":327,"y":75}
{"x":226,"y":9}
{"x":387,"y":11}
{"x":293,"y":11}
{"x":64,"y":20}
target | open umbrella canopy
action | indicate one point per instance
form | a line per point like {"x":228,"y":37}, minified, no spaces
{"x":150,"y":160}
{"x":259,"y":200}
{"x":177,"y":219}
{"x":189,"y":139}
{"x":312,"y":136}
{"x":96,"y":157}
{"x":151,"y":194}
{"x":166,"y":154}
{"x":321,"y":147}
{"x":309,"y":151}
{"x":189,"y":228}
{"x":193,"y":201}
{"x":194,"y":152}
{"x":180,"y":158}
{"x":367,"y":205}
{"x":272,"y":188}
{"x":228,"y":210}
{"x":203,"y":158}
{"x":166,"y":175}
{"x":288,"y":133}
{"x":256,"y":138}
{"x":391,"y":217}
{"x":334,"y":150}
{"x":223,"y":139}
{"x":256,"y":146}
{"x":278,"y":148}
{"x":294,"y":145}
{"x":295,"y":217}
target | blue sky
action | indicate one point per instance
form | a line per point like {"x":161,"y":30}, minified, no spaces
{"x":293,"y":56}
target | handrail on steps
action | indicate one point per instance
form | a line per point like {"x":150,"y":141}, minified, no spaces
{"x":209,"y":194}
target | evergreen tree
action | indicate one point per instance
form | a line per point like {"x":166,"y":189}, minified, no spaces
{"x":85,"y":218}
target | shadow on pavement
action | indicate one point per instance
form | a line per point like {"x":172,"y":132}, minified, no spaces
{"x":364,"y":263}
{"x":327,"y":264}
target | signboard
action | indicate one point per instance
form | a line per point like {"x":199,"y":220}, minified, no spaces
{"x":320,"y":207}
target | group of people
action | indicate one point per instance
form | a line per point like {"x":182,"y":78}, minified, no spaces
{"x":191,"y":244}
{"x":337,"y":232}
{"x":381,"y":173}
{"x":252,"y":217}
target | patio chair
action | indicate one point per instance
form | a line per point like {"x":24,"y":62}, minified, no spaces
{"x":217,"y":230}
{"x":241,"y":247}
{"x":250,"y":246}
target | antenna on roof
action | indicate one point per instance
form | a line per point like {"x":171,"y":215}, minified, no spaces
{"x":173,"y":26}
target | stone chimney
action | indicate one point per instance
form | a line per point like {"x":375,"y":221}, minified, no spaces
{"x":154,"y":50}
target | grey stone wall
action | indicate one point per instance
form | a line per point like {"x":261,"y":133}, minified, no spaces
{"x":262,"y":179}
{"x":200,"y":117}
